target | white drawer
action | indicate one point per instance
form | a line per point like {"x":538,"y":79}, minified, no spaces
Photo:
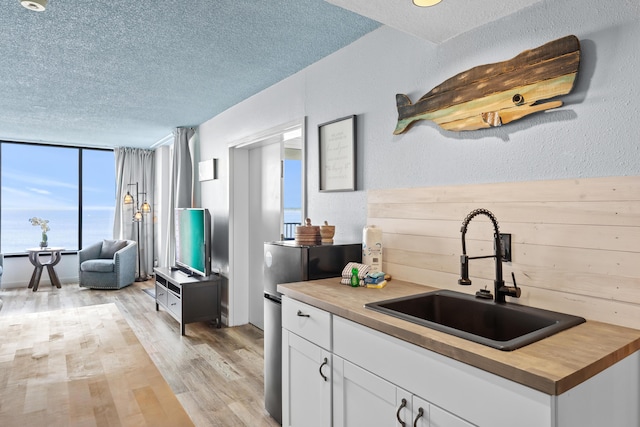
{"x":174,"y":305}
{"x":307,"y":321}
{"x":161,"y":294}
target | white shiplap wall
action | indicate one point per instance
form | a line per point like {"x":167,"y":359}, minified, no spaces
{"x":575,"y":243}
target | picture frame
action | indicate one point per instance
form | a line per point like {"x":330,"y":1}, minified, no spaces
{"x":337,"y":154}
{"x":208,"y":170}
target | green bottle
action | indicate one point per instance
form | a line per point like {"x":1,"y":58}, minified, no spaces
{"x":355,"y":280}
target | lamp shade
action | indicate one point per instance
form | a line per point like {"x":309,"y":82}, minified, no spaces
{"x":128,"y":199}
{"x":137,"y":217}
{"x":146,"y":207}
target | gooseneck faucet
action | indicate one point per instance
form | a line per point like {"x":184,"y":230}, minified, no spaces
{"x":500,"y":290}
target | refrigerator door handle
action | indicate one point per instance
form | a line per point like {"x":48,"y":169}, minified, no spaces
{"x":272,"y":298}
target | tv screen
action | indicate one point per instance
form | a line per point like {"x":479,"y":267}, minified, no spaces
{"x":192,"y":227}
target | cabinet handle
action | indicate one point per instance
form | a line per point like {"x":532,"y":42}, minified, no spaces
{"x":320,"y":369}
{"x":301,"y":314}
{"x":420,"y":414}
{"x":404,"y":403}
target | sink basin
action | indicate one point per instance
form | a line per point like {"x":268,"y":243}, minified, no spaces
{"x":505,"y":326}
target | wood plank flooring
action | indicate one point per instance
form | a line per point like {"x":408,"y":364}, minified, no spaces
{"x":216,"y":374}
{"x":81,"y":366}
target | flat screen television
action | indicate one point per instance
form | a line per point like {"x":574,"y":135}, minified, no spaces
{"x":193,"y":240}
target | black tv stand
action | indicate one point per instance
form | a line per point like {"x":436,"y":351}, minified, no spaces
{"x":182,"y":270}
{"x":188,"y":299}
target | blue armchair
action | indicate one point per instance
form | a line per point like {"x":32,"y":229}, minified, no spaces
{"x":110,"y":264}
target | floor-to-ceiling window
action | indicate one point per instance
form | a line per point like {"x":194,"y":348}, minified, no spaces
{"x":73,"y":188}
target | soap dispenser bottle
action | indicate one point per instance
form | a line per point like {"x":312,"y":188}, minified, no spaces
{"x":355,"y":280}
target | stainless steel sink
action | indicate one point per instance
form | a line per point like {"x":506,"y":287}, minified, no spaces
{"x":505,"y":326}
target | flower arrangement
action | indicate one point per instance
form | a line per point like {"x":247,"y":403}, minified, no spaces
{"x":44,"y":226}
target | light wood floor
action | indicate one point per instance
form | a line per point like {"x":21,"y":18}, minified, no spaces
{"x":217,"y":374}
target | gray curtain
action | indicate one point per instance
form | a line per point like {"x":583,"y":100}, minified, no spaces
{"x":182,"y":168}
{"x":135,"y":174}
{"x":181,"y":189}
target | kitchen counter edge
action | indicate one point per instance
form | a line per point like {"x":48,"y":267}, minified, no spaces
{"x":553,"y":365}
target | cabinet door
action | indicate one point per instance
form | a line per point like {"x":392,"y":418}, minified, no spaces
{"x":361,"y":398}
{"x":306,"y":383}
{"x":441,"y":418}
{"x":420,"y":414}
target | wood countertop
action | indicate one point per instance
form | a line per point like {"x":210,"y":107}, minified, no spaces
{"x":552,"y":365}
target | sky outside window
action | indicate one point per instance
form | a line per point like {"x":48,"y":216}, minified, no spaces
{"x":292,"y":196}
{"x":43,"y":181}
{"x":98,"y":195}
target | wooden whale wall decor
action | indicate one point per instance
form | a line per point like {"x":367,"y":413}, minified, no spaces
{"x":496,"y":94}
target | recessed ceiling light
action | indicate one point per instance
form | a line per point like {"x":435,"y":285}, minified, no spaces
{"x":35,"y":5}
{"x":426,"y":3}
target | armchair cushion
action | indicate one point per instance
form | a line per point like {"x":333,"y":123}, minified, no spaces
{"x":98,"y":265}
{"x":110,"y":247}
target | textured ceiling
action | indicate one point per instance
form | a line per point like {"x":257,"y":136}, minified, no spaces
{"x":125,"y":73}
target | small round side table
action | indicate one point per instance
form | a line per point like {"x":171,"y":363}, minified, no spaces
{"x":34,"y":258}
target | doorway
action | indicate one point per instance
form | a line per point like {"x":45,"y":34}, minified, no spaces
{"x":264,"y":167}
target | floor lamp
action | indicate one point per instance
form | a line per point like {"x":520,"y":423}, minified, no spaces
{"x":138,"y":217}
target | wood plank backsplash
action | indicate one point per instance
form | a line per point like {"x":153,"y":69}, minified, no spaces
{"x":575,"y":243}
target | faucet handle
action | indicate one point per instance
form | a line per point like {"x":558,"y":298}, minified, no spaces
{"x":484,"y":293}
{"x":514,"y":291}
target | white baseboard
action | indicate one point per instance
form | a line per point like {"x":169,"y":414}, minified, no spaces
{"x":43,"y":281}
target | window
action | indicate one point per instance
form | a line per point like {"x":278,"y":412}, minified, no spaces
{"x":292,"y":191}
{"x":98,"y":195}
{"x":44,"y":181}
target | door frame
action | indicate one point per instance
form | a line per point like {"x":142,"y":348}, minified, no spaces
{"x":239,"y":216}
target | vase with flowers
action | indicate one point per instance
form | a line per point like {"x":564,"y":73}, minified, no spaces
{"x":44,"y":227}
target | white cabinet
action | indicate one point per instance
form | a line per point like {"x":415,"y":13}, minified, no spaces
{"x":369,"y":373}
{"x":361,"y":398}
{"x":306,"y":383}
{"x":441,"y":418}
{"x":306,"y":367}
{"x":466,"y":392}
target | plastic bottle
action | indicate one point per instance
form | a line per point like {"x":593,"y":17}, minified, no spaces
{"x":355,"y":280}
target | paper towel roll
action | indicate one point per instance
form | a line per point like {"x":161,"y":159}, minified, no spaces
{"x":372,"y":248}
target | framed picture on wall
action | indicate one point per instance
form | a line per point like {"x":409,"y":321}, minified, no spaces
{"x":337,"y":153}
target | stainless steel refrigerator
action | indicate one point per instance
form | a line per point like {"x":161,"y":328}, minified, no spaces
{"x":286,"y":262}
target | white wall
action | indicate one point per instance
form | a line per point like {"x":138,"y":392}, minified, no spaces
{"x":17,"y":271}
{"x":594,"y":134}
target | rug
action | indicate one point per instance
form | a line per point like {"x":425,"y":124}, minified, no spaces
{"x":81,"y":366}
{"x":150,"y":291}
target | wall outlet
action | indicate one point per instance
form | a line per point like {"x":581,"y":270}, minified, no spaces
{"x":505,"y":245}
